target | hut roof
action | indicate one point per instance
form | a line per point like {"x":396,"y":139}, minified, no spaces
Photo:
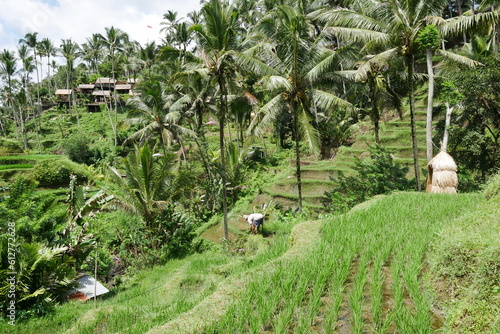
{"x":443,"y":162}
{"x":86,"y":86}
{"x":120,"y":87}
{"x":85,"y":288}
{"x":101,"y":93}
{"x":105,"y":81}
{"x":131,"y":80}
{"x":63,"y":91}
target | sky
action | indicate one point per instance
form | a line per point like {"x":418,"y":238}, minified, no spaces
{"x":79,"y":19}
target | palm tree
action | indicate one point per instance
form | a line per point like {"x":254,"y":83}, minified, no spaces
{"x":218,"y":42}
{"x":151,"y":110}
{"x":149,"y":182}
{"x":69,"y":50}
{"x":49,"y":50}
{"x":299,"y":63}
{"x":169,"y":23}
{"x":92,"y":52}
{"x":394,"y":25}
{"x":30,"y":39}
{"x":147,"y":56}
{"x":8,"y":68}
{"x":113,"y":42}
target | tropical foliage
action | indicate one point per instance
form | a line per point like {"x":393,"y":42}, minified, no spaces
{"x":217,"y":106}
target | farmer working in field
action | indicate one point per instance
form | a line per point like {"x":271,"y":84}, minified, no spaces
{"x":256,"y":220}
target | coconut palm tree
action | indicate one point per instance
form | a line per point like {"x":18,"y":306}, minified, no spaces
{"x":151,"y":110}
{"x":49,"y":50}
{"x":28,"y":66}
{"x":169,"y":23}
{"x":219,"y":41}
{"x":8,"y":68}
{"x":30,"y":39}
{"x":394,"y":25}
{"x":92,"y":52}
{"x":70,"y":50}
{"x":299,"y":62}
{"x":113,"y":41}
{"x":146,"y":56}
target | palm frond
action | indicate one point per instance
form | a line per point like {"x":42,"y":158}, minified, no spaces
{"x":328,"y":101}
{"x":309,"y":133}
{"x":278,"y":83}
{"x":266,"y":116}
{"x":376,"y":63}
{"x":357,"y":35}
{"x":456,"y":58}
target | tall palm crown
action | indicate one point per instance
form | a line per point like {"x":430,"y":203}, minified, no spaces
{"x":218,"y":38}
{"x":391,"y":26}
{"x":49,"y":50}
{"x":300,"y":63}
{"x":8,"y":68}
{"x":92,"y":51}
{"x":69,"y":50}
{"x":113,"y":41}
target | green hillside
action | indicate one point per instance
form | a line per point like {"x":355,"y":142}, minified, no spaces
{"x":365,"y":271}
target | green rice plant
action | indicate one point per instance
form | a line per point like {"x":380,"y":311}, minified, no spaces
{"x":376,"y":292}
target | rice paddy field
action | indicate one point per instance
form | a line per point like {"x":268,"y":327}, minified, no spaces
{"x":363,"y":275}
{"x":362,"y":272}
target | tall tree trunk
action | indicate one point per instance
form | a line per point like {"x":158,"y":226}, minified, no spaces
{"x":411,"y":70}
{"x":449,"y":110}
{"x":10,"y":102}
{"x":222,"y":121}
{"x":375,"y":114}
{"x":430,"y":103}
{"x":495,"y":45}
{"x":297,"y":153}
{"x":113,"y":97}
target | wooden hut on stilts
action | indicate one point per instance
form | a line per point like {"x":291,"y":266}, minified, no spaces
{"x":442,"y":175}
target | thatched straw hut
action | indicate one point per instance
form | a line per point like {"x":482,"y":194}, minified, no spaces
{"x":442,"y":176}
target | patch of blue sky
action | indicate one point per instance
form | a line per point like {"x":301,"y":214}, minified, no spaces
{"x":53,"y":3}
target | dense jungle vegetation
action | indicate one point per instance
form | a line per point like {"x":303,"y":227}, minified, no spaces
{"x":257,"y":105}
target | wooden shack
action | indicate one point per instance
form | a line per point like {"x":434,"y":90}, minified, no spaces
{"x":123,"y":88}
{"x":63,"y":97}
{"x":105,"y":83}
{"x":99,"y":97}
{"x":86,"y":88}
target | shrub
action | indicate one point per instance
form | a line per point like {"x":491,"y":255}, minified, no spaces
{"x":377,"y":175}
{"x":77,"y":149}
{"x":9,"y":146}
{"x":57,"y":172}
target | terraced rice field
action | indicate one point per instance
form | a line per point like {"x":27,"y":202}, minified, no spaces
{"x":364,"y":275}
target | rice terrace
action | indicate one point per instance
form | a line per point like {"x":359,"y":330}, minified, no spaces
{"x":250,"y":166}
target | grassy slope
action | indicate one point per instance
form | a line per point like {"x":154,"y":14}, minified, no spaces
{"x":362,"y":272}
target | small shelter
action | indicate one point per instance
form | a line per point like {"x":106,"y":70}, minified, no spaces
{"x":101,"y":94}
{"x":63,"y":97}
{"x":123,"y":88}
{"x":132,"y":82}
{"x":105,"y":83}
{"x":86,"y":88}
{"x":442,"y":175}
{"x":100,"y":97}
{"x":87,"y":288}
